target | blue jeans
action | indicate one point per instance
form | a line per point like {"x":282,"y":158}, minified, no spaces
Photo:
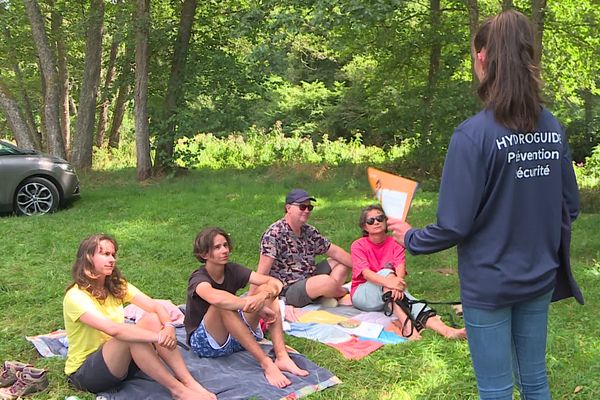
{"x":510,"y":341}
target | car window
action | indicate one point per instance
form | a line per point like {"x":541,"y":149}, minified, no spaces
{"x":7,"y":150}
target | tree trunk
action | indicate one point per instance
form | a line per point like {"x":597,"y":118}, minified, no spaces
{"x":63,"y":78}
{"x":82,"y":148}
{"x":538,"y":10}
{"x":105,"y":93}
{"x":588,"y":106}
{"x":49,"y":71}
{"x":15,"y":119}
{"x":114,"y":136}
{"x":122,"y":97}
{"x":166,"y":143}
{"x":506,"y":4}
{"x":473,"y":9}
{"x":435,"y":55}
{"x":72,"y":106}
{"x":142,"y":136}
{"x":27,"y":108}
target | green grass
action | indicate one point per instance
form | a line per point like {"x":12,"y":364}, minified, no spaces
{"x":155,"y":224}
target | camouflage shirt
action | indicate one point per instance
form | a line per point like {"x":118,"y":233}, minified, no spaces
{"x":293,"y":256}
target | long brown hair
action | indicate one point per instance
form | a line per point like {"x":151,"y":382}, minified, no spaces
{"x":85,"y":277}
{"x":511,"y":86}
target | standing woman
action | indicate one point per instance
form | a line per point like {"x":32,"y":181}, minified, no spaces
{"x":507,"y":176}
{"x":103,"y":350}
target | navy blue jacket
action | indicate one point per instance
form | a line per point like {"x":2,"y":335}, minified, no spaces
{"x":500,"y":203}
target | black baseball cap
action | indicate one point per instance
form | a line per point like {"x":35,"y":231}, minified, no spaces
{"x":298,"y":196}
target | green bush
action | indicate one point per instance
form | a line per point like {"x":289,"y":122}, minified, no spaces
{"x":259,"y":147}
{"x":108,"y":159}
{"x":588,"y":173}
{"x":588,"y":178}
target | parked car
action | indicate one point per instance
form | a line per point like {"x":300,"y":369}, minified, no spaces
{"x":33,"y":183}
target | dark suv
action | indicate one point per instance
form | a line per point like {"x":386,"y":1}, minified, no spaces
{"x":34,"y":183}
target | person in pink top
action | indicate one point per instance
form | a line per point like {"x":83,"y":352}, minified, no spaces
{"x":378,"y":266}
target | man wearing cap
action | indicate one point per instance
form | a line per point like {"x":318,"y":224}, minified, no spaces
{"x":287,"y":252}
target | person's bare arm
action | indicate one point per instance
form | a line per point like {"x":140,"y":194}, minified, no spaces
{"x":264,"y":283}
{"x":124,"y":332}
{"x":220,"y":298}
{"x":340,"y":255}
{"x":264,"y":268}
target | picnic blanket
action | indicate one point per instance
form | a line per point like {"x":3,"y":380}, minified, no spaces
{"x":237,"y":376}
{"x":234,"y":377}
{"x":326,"y":325}
{"x":53,"y":344}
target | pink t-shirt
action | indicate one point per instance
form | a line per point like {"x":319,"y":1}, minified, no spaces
{"x":374,"y":256}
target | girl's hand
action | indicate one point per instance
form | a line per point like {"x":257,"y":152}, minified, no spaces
{"x":398,"y":228}
{"x":167,"y":338}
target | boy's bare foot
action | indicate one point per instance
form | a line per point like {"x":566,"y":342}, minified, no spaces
{"x":274,"y":375}
{"x":201,"y":390}
{"x":285,"y":363}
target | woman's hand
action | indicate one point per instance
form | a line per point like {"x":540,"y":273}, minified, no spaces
{"x":396,"y":294}
{"x":395,"y":282}
{"x":398,"y":228}
{"x":167,"y":338}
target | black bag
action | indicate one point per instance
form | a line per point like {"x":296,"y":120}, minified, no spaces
{"x":418,"y":312}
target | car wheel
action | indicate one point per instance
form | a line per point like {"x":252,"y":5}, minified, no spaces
{"x":36,"y":196}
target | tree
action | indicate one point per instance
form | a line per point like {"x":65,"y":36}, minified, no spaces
{"x":142,"y":135}
{"x":105,"y":92}
{"x":51,"y":115}
{"x":15,"y":119}
{"x":166,"y":141}
{"x":473,"y":10}
{"x":506,"y":4}
{"x":538,"y":10}
{"x":122,"y":97}
{"x":82,"y":149}
{"x":63,"y":76}
{"x":28,"y":117}
{"x":435,"y":54}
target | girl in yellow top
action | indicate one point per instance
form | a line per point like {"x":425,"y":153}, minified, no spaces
{"x":103,"y":350}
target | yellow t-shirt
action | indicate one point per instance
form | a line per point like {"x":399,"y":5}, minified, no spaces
{"x":83,"y":339}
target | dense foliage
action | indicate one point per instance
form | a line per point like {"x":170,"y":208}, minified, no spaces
{"x":385,"y":70}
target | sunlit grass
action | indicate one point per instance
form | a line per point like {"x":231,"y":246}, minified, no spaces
{"x":155,"y":224}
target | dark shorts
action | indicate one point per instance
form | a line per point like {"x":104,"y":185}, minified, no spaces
{"x":295,"y":294}
{"x":94,"y":376}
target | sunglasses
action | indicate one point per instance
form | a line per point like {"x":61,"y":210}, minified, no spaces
{"x":379,"y":218}
{"x":304,"y":207}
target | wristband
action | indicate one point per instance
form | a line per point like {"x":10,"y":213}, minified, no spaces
{"x":169,"y":324}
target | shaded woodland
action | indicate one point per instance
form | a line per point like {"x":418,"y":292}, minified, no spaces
{"x":74,"y":75}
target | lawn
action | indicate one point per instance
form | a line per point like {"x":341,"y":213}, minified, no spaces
{"x":155,"y":224}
